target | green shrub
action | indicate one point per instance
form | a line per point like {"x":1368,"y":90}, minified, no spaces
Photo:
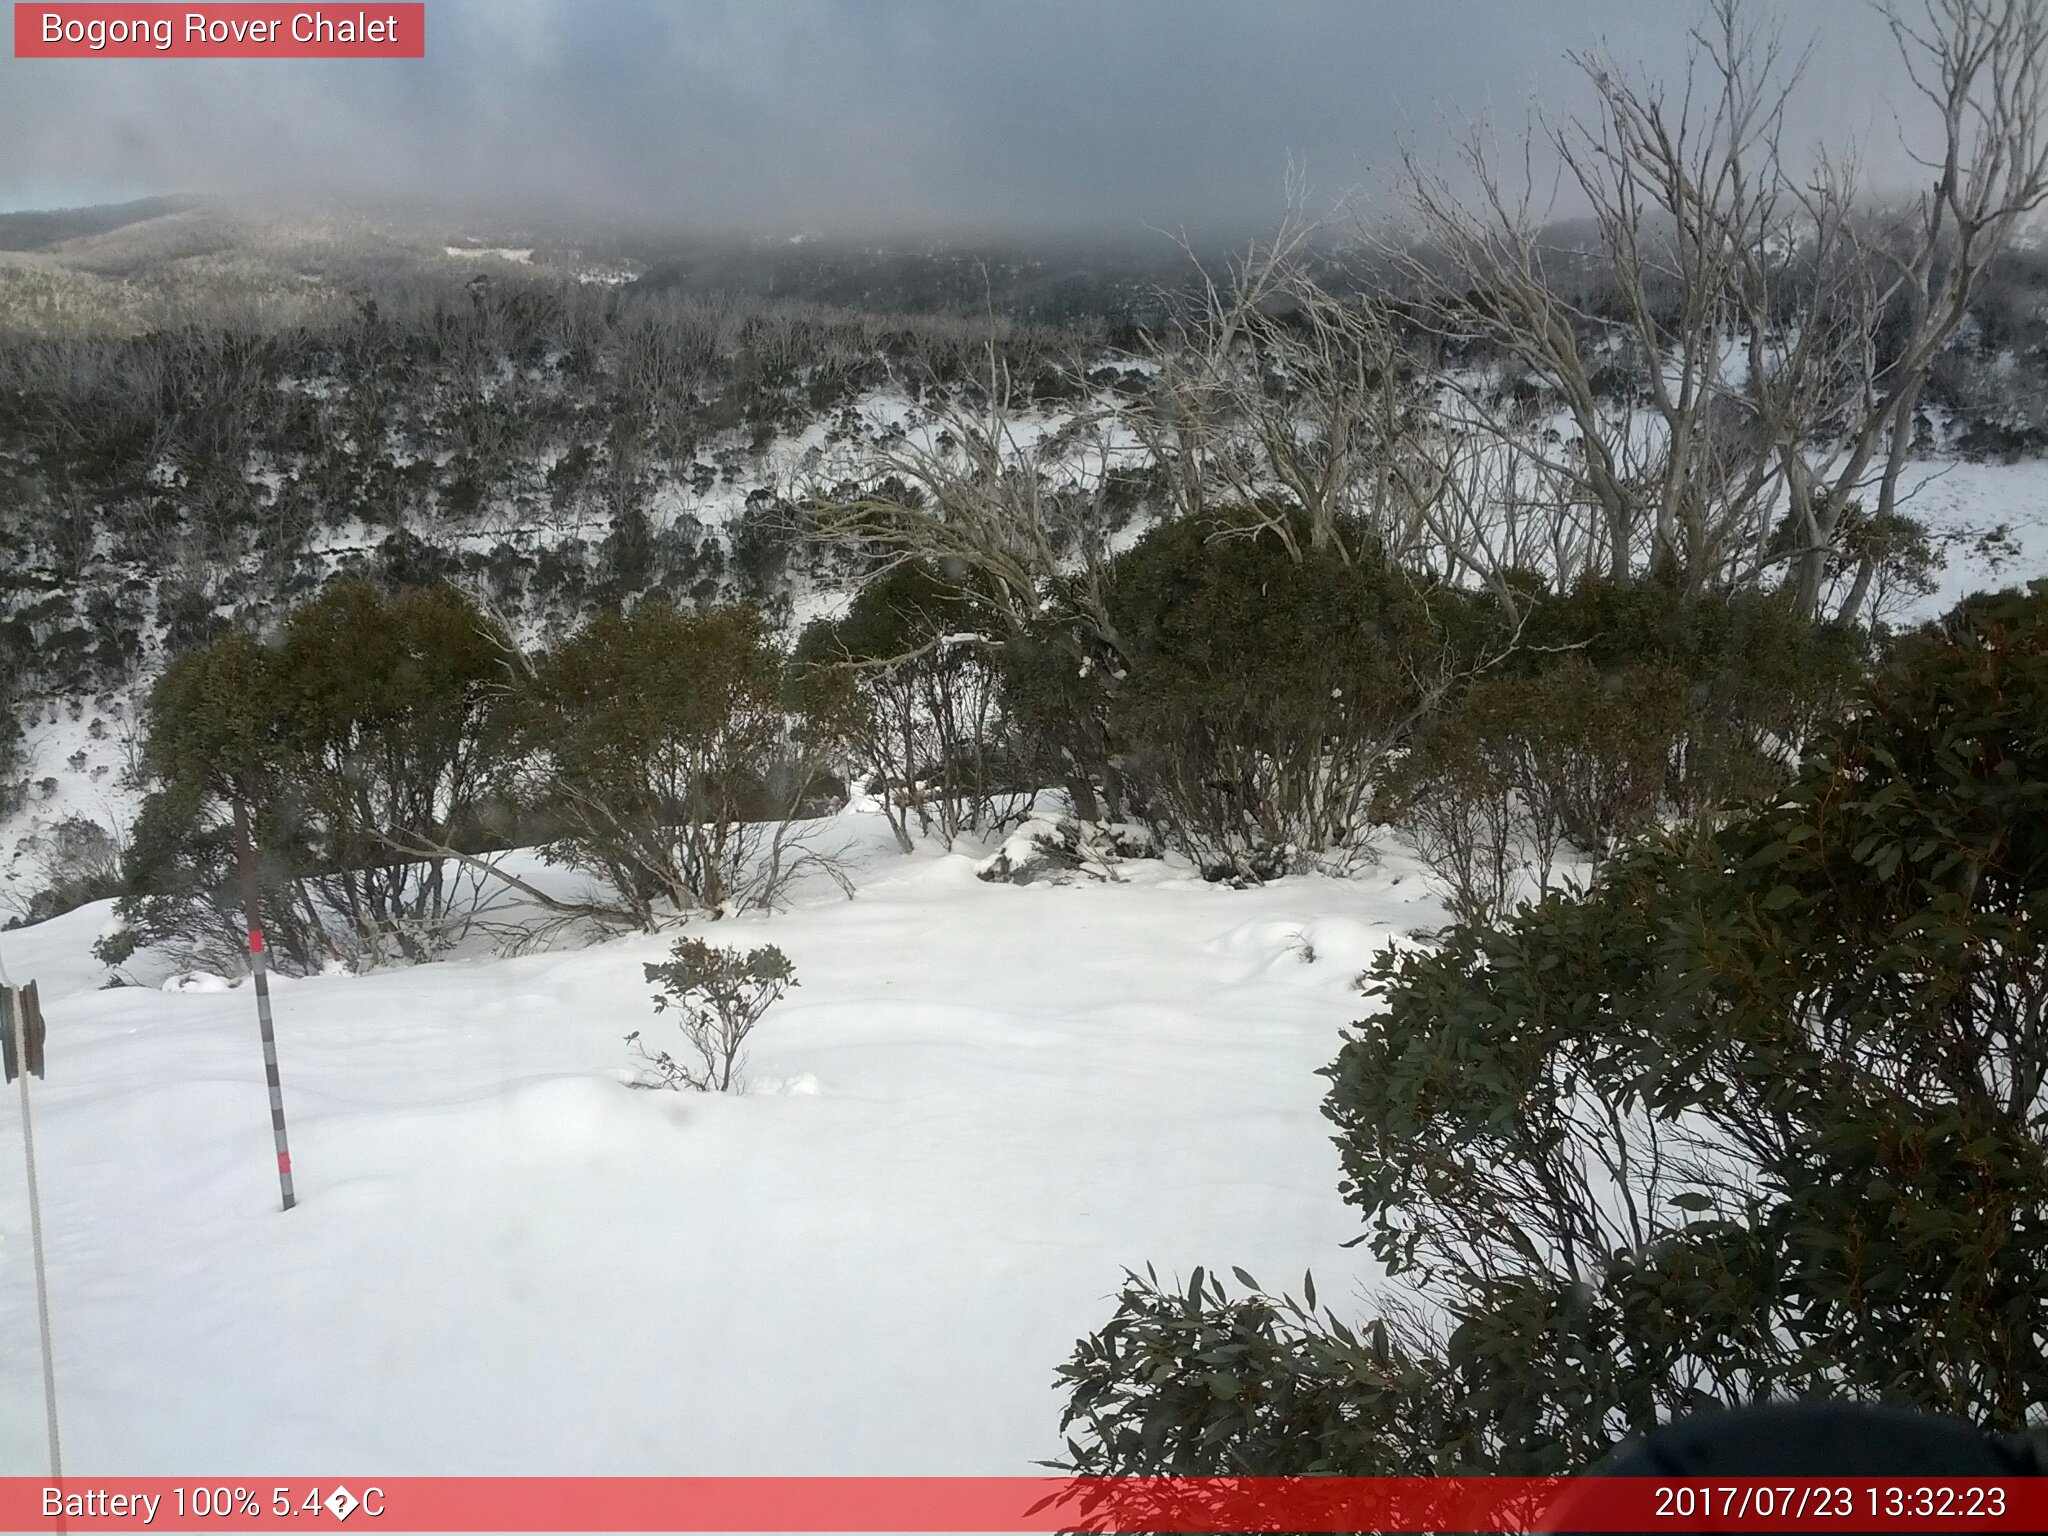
{"x":1615,"y":711}
{"x":1262,"y":692}
{"x":362,"y":743}
{"x":1528,"y":769}
{"x":719,"y":996}
{"x":211,"y":739}
{"x":658,"y":746}
{"x":1055,"y":686}
{"x":913,"y":689}
{"x":1761,"y":681}
{"x":1762,"y":1113}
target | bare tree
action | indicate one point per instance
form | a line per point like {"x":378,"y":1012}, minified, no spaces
{"x":1293,"y":406}
{"x":1744,"y":341}
{"x":1324,"y":418}
{"x":1983,"y":67}
{"x":1010,"y":519}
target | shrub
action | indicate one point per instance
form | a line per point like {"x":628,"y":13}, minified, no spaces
{"x":1590,"y":753}
{"x":1055,"y":691}
{"x":1762,"y":683}
{"x":763,"y":541}
{"x":1620,"y":709}
{"x":1527,"y":768}
{"x":362,"y":744}
{"x":1762,"y":1113}
{"x":658,"y":745}
{"x":626,"y":557}
{"x":12,"y":755}
{"x":393,"y":732}
{"x":914,"y":691}
{"x":1263,"y":691}
{"x":720,"y":995}
{"x":404,"y":559}
{"x":83,"y":864}
{"x":211,"y":741}
{"x":1189,"y":1381}
{"x":1457,"y":801}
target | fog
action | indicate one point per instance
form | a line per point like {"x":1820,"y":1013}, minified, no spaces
{"x":852,"y":117}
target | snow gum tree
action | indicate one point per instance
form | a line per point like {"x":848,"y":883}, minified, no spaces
{"x":1775,"y":321}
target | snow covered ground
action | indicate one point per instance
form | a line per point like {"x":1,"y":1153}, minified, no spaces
{"x":1966,"y":505}
{"x":980,"y":1105}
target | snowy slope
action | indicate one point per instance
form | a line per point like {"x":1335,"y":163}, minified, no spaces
{"x":79,"y":752}
{"x":982,"y":1103}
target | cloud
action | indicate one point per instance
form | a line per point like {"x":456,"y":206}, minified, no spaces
{"x":852,"y":116}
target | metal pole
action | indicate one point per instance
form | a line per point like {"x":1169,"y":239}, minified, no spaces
{"x":259,"y":966}
{"x":17,"y":1008}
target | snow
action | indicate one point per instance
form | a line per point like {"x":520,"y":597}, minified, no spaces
{"x":97,"y":789}
{"x":980,"y":1105}
{"x":1962,"y":501}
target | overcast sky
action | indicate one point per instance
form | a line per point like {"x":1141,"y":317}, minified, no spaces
{"x":851,"y":116}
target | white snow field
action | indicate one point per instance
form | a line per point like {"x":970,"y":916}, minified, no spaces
{"x":982,"y":1103}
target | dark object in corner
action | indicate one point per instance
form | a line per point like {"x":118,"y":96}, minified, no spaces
{"x":1817,"y":1440}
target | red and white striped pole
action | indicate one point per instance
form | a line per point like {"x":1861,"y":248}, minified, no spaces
{"x":260,"y":967}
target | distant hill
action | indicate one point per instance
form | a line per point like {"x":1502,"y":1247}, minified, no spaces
{"x":38,"y":229}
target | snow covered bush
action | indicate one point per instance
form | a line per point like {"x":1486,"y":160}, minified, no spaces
{"x":720,"y":995}
{"x":1762,"y":1113}
{"x":1058,"y":849}
{"x":82,"y":864}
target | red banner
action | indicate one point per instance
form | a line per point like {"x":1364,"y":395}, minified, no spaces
{"x":213,"y":31}
{"x":919,"y":1504}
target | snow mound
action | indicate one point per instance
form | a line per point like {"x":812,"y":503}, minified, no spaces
{"x":803,"y":1085}
{"x":1058,"y":850}
{"x":197,"y":981}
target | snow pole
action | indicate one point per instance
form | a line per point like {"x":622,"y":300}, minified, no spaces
{"x":259,"y":967}
{"x":21,"y":1019}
